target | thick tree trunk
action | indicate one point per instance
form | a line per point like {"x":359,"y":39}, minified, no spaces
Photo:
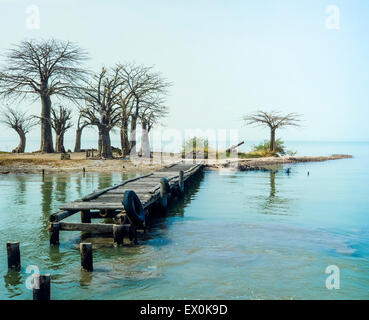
{"x":46,"y":133}
{"x":145,"y":143}
{"x":77,"y":145}
{"x":132,"y":146}
{"x":272,"y":140}
{"x":104,"y":143}
{"x":22,"y":143}
{"x":59,"y":142}
{"x":124,"y":142}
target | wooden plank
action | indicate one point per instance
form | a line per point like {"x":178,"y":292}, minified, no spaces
{"x":95,"y":194}
{"x":61,"y":215}
{"x":88,"y":227}
{"x":92,"y":206}
{"x":120,"y":192}
{"x":116,"y":199}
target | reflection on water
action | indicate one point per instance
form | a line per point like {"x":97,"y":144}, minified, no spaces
{"x":13,"y":283}
{"x":246,"y":235}
{"x":274,"y":203}
{"x":21,"y":190}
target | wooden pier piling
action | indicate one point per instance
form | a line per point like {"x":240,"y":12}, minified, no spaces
{"x":41,"y":290}
{"x":118,"y":234}
{"x":13,"y":252}
{"x":86,"y":257}
{"x":133,"y":234}
{"x":54,"y":228}
{"x":85,"y":216}
{"x":181,"y":182}
{"x":163,"y":193}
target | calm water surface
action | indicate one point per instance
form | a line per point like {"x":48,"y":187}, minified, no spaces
{"x":254,"y":235}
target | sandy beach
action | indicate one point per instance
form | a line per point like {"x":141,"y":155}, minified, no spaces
{"x":29,"y":163}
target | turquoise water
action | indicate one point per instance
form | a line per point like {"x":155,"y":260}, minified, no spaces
{"x":245,"y":235}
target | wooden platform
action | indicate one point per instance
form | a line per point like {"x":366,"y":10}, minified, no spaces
{"x":107,"y":203}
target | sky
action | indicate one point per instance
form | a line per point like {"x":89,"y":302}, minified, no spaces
{"x":224,"y":58}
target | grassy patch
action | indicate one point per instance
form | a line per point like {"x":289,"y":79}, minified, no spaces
{"x":257,"y":154}
{"x":261,"y":150}
{"x":12,"y":161}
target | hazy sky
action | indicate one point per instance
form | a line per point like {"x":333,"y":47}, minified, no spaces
{"x":225,"y":58}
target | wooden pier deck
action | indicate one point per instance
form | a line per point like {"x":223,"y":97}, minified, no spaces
{"x":153,"y":190}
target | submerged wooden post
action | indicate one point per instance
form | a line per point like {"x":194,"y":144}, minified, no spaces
{"x":54,"y":228}
{"x":41,"y":289}
{"x":12,"y":249}
{"x":118,"y":234}
{"x":163,"y":193}
{"x":181,"y":182}
{"x":86,"y":257}
{"x":85,"y":216}
{"x":133,"y":234}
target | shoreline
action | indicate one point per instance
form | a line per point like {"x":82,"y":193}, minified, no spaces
{"x":31,"y":163}
{"x":266,"y":164}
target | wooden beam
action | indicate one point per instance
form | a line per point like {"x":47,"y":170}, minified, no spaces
{"x":87,"y":227}
{"x":95,"y":194}
{"x":59,"y":216}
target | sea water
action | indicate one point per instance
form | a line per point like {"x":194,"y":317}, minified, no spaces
{"x":235,"y":235}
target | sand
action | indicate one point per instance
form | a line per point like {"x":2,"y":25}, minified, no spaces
{"x":25,"y":163}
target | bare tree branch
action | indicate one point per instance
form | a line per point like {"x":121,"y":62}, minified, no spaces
{"x":274,"y":120}
{"x":21,"y":122}
{"x":43,"y":68}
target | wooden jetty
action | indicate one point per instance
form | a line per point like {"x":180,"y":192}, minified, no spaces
{"x":153,"y":190}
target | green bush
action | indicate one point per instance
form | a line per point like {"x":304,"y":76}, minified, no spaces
{"x":196,"y":143}
{"x":264,"y":147}
{"x":262,"y":150}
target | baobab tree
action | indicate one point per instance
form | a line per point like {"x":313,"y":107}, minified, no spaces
{"x":81,"y":124}
{"x":43,"y":68}
{"x":130,"y":76}
{"x":60,"y":122}
{"x":102,"y":106}
{"x":274,"y":120}
{"x":152,"y":110}
{"x":140,"y":83}
{"x":21,"y":122}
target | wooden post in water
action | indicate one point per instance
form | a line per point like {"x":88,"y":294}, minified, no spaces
{"x":118,"y":234}
{"x":86,"y":154}
{"x":41,"y":289}
{"x":86,"y":257}
{"x":181,"y":182}
{"x":163,"y":193}
{"x":133,"y":234}
{"x":92,"y":153}
{"x":85,"y":216}
{"x":12,"y":249}
{"x":194,"y":151}
{"x":54,"y":228}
